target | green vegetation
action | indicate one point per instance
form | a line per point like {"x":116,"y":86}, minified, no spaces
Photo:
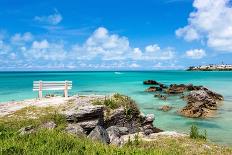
{"x":117,"y":101}
{"x":195,"y":134}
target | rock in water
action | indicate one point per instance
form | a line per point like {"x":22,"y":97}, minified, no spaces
{"x":153,"y":89}
{"x":75,"y":129}
{"x":165,"y":108}
{"x":201,"y":103}
{"x":99,"y":134}
{"x":150,"y":82}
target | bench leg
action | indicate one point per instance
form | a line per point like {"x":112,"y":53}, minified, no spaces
{"x":66,"y":93}
{"x":40,"y":94}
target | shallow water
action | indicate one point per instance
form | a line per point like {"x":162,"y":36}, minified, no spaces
{"x":18,"y":86}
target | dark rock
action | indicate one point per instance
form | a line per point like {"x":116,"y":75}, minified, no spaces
{"x":75,"y":129}
{"x":99,"y":134}
{"x":165,"y":108}
{"x":162,"y":97}
{"x":89,"y":125}
{"x":201,"y":103}
{"x":26,"y":130}
{"x":49,"y":125}
{"x":120,"y":118}
{"x":150,"y":82}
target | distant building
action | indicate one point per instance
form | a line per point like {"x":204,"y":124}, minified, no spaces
{"x":211,"y":67}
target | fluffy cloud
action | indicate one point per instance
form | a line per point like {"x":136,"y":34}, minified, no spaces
{"x":52,"y":19}
{"x":211,"y":21}
{"x":21,"y":38}
{"x":101,"y":49}
{"x":153,"y":52}
{"x":4,"y":48}
{"x":195,"y":53}
{"x":152,"y":48}
{"x":44,"y":50}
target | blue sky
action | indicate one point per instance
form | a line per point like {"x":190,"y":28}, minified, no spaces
{"x":114,"y":35}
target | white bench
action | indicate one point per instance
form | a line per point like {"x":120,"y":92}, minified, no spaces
{"x":52,"y":85}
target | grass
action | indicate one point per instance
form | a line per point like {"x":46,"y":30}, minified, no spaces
{"x":116,"y":101}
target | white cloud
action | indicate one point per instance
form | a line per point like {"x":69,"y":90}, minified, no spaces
{"x":134,"y":65}
{"x":211,"y":21}
{"x":40,"y":44}
{"x":4,"y":48}
{"x":101,"y":49}
{"x":21,"y":38}
{"x":44,"y":50}
{"x":195,"y":53}
{"x":52,"y":19}
{"x":109,"y":46}
{"x":153,"y":52}
{"x":152,"y":48}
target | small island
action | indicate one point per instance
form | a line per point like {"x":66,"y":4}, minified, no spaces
{"x":211,"y":67}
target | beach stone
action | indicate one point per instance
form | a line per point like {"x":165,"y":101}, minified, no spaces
{"x":26,"y":130}
{"x":49,"y":125}
{"x":165,"y":108}
{"x":75,"y":129}
{"x":176,"y":89}
{"x":99,"y":134}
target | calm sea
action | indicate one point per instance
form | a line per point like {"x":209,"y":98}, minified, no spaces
{"x":18,"y":86}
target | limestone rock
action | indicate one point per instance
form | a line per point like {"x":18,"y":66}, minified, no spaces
{"x":26,"y":130}
{"x":201,"y":103}
{"x":99,"y":134}
{"x":75,"y":129}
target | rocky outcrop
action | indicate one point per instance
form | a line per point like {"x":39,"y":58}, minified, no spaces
{"x":88,"y":117}
{"x":165,"y":108}
{"x":99,"y":134}
{"x":201,"y":103}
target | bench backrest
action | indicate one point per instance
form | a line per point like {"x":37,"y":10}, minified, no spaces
{"x":52,"y":85}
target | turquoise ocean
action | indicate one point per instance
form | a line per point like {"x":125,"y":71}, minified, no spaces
{"x":18,"y":86}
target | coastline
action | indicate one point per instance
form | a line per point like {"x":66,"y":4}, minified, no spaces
{"x":47,"y":115}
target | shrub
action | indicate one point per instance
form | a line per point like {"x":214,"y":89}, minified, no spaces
{"x":195,"y":134}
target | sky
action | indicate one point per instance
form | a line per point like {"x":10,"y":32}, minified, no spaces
{"x":114,"y":35}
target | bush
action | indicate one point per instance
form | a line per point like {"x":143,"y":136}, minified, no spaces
{"x":195,"y":134}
